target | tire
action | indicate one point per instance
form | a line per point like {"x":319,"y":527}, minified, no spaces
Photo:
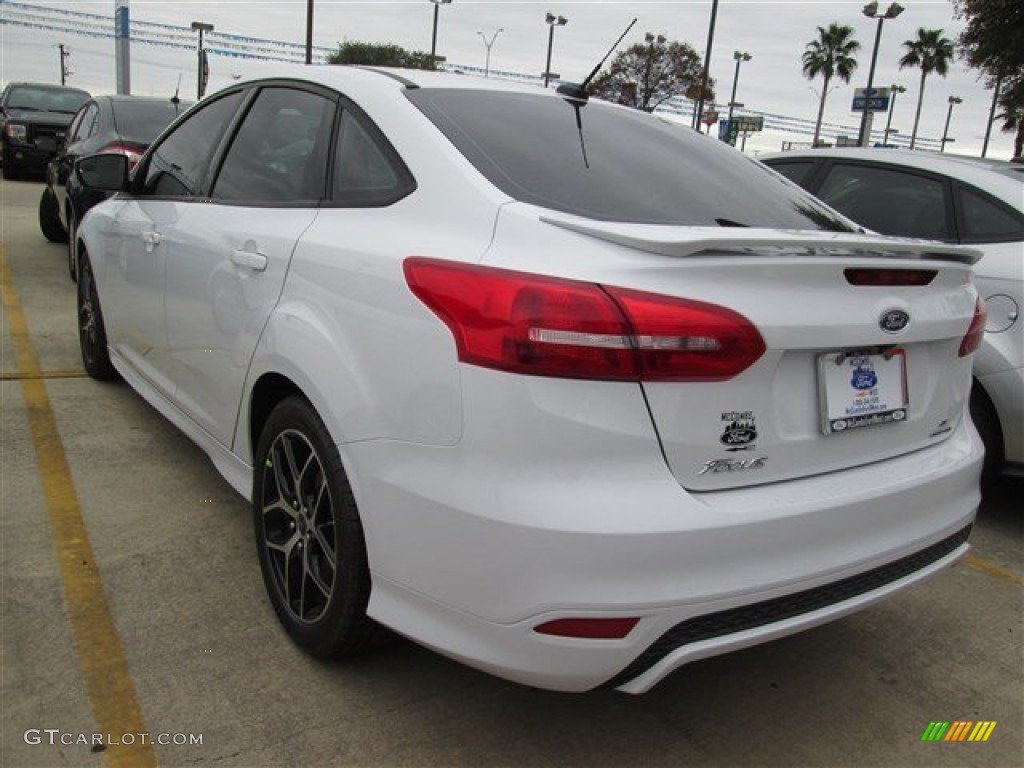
{"x":986,"y":421}
{"x":92,"y":335}
{"x":309,"y":537}
{"x":72,"y":238}
{"x":49,"y":218}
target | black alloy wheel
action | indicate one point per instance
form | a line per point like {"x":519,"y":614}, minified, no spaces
{"x":309,"y":537}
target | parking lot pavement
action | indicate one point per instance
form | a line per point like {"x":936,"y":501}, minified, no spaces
{"x":194,"y":650}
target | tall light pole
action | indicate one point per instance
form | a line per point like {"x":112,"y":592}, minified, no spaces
{"x":552,"y":22}
{"x":201,"y":27}
{"x":893,"y":89}
{"x":740,"y":58}
{"x":309,"y":31}
{"x":488,"y":44}
{"x":698,"y":113}
{"x":871,"y":11}
{"x":433,"y":37}
{"x":992,"y":115}
{"x":953,"y":101}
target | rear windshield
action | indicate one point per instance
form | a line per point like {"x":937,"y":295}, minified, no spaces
{"x":629,"y":166}
{"x":43,"y":99}
{"x":142,"y":121}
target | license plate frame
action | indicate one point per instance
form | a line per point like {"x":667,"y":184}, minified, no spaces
{"x":862,"y":388}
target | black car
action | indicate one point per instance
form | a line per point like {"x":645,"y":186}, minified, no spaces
{"x":121,"y":124}
{"x":33,"y":120}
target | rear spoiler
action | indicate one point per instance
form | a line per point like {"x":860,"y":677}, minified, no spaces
{"x":693,"y":241}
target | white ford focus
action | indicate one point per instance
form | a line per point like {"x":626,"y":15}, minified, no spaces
{"x":556,"y":388}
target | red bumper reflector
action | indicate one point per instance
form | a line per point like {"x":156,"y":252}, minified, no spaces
{"x":593,"y":629}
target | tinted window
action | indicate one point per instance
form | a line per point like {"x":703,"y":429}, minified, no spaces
{"x":179,"y":164}
{"x":365,"y":173}
{"x":891,"y":202}
{"x":46,"y":99}
{"x":142,"y":121}
{"x":798,"y":172}
{"x":87,"y":125}
{"x":277,"y":154}
{"x":987,"y":221}
{"x":621,"y":165}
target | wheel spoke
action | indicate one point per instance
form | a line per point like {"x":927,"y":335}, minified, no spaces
{"x":325,"y":547}
{"x":325,"y":589}
{"x":289,"y":455}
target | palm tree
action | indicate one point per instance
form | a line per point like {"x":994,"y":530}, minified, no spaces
{"x":932,"y":53}
{"x":830,"y":55}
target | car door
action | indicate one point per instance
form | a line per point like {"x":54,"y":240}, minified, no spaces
{"x":167,"y":183}
{"x":82,"y":126}
{"x":229,"y":255}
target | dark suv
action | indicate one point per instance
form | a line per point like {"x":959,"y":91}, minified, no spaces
{"x":33,"y":120}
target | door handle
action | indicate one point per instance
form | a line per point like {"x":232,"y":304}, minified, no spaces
{"x":250,"y":259}
{"x":151,"y":238}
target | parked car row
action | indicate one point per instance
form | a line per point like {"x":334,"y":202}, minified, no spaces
{"x":548,"y":385}
{"x":953,"y":200}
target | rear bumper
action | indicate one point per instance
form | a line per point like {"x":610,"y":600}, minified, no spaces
{"x":468,"y":558}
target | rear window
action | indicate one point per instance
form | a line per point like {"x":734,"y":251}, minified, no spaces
{"x":142,"y":121}
{"x":623,"y":165}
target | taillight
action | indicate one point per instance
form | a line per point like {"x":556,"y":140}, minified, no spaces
{"x":131,"y":153}
{"x":879,"y":277}
{"x":545,"y":326}
{"x":976,"y":330}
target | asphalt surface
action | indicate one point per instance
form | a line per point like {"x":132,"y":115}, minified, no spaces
{"x":132,"y":603}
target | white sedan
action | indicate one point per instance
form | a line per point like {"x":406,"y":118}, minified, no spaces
{"x":556,"y":388}
{"x":954,"y":200}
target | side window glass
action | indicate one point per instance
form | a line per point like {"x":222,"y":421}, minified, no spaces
{"x":178,"y":165}
{"x":363,"y":172}
{"x":890,"y":202}
{"x":84,"y":124}
{"x":797,"y":172}
{"x":277,"y":154}
{"x":987,"y":221}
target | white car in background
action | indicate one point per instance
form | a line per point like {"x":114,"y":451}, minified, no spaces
{"x":955,"y":200}
{"x":556,"y":388}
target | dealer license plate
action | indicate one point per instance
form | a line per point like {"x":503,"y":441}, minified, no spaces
{"x":862,"y":390}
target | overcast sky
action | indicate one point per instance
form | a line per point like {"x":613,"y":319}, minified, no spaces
{"x":775,"y":33}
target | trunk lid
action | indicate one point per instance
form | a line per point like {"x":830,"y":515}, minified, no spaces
{"x":852,"y":373}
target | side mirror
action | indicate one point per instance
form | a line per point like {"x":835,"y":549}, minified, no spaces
{"x":106,"y":172}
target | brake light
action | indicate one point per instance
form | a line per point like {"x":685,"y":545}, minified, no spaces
{"x":976,"y":330}
{"x":882,"y":277}
{"x":591,"y":629}
{"x":544,"y":326}
{"x":133,"y":154}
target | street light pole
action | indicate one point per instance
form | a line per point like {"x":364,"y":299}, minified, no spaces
{"x":893,"y":89}
{"x":699,"y":111}
{"x":552,"y":22}
{"x":488,"y":44}
{"x":871,"y":11}
{"x":201,"y":27}
{"x":309,"y":32}
{"x":740,"y":58}
{"x":953,"y":101}
{"x":992,"y":115}
{"x":433,"y":37}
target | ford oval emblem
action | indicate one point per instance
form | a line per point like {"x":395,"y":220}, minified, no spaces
{"x":893,"y":320}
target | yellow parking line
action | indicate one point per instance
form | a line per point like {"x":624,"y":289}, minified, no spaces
{"x":994,"y":570}
{"x":100,"y":656}
{"x":73,"y":373}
